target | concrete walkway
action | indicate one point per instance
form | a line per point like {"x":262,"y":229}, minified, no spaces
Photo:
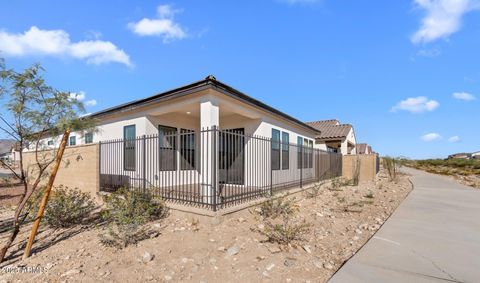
{"x":433,"y":236}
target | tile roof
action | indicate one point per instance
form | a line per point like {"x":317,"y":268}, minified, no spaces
{"x":330,"y":129}
{"x":361,"y":148}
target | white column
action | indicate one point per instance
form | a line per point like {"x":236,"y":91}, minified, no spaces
{"x":209,"y":122}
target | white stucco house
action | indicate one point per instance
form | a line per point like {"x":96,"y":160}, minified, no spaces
{"x":208,"y":143}
{"x":334,"y":136}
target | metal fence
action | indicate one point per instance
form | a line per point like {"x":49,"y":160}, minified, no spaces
{"x":212,"y":168}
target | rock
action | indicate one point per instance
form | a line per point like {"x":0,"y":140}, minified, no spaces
{"x":71,"y":272}
{"x":307,"y":249}
{"x":212,"y":240}
{"x":265,"y":273}
{"x":379,"y":220}
{"x":358,"y":231}
{"x":374,"y":227}
{"x":179,"y":229}
{"x":147,"y":257}
{"x":233,"y":251}
{"x":355,"y":238}
{"x":167,"y":277}
{"x":261,"y":226}
{"x":274,"y":249}
{"x":260,"y":258}
{"x":270,"y":266}
{"x":318,"y":264}
{"x":221,"y":249}
{"x":241,"y":220}
{"x":328,"y":266}
{"x":49,"y":265}
{"x":289,"y":262}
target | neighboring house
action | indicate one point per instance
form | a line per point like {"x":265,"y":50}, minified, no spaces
{"x":335,"y":137}
{"x":363,"y":148}
{"x":476,"y":155}
{"x":462,"y":155}
{"x":9,"y":151}
{"x":207,"y":143}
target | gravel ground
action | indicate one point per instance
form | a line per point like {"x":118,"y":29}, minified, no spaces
{"x":190,"y":248}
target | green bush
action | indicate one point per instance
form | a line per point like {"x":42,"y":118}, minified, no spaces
{"x":65,"y":207}
{"x":126,"y":212}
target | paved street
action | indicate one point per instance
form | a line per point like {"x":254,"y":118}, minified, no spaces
{"x":434,"y":236}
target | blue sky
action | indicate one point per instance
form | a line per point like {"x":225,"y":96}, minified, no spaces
{"x":406,"y":74}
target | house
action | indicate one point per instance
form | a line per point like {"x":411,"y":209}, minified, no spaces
{"x":476,"y":155}
{"x":363,"y":148}
{"x":9,"y":151}
{"x":207,"y":143}
{"x":335,"y":137}
{"x":462,"y":155}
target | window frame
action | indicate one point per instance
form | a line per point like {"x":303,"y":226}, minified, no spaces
{"x":88,"y":138}
{"x":129,"y":143}
{"x":74,"y":141}
{"x":171,"y":148}
{"x":187,"y":137}
{"x":285,"y":149}
{"x":275,"y":149}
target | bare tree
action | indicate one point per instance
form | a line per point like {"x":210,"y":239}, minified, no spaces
{"x":34,"y":111}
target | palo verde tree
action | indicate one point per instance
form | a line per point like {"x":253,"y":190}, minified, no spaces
{"x":33,"y":111}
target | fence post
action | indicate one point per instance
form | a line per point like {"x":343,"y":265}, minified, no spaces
{"x":144,"y":163}
{"x":99,"y":165}
{"x":302,"y":163}
{"x":271,"y":168}
{"x":214,"y":167}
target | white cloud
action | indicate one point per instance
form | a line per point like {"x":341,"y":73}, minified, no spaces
{"x":454,"y":139}
{"x":163,"y":26}
{"x":80,"y":96}
{"x":463,"y":96}
{"x":443,"y":18}
{"x":416,"y":105}
{"x":428,"y":52}
{"x":36,"y":41}
{"x":430,"y":137}
{"x":91,"y":102}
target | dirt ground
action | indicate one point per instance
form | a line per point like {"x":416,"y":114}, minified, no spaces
{"x":191,"y":248}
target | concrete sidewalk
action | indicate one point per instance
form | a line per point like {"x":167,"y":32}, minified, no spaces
{"x":433,"y":236}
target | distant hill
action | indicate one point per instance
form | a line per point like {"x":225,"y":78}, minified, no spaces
{"x":6,"y":145}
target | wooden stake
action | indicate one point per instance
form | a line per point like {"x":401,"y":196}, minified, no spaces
{"x":43,"y":203}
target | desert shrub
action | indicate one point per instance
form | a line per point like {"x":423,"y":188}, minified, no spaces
{"x":314,"y":191}
{"x":126,"y":213}
{"x":390,"y":165}
{"x":280,"y":223}
{"x":339,"y":183}
{"x":65,"y":207}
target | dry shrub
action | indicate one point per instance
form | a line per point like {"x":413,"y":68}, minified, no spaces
{"x":126,"y":213}
{"x":390,"y":164}
{"x":280,"y":222}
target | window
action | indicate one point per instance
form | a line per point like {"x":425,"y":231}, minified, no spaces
{"x":167,"y":138}
{"x":305,"y":153}
{"x":187,"y":149}
{"x":50,"y":142}
{"x":88,"y":138}
{"x":285,"y":150}
{"x":129,"y":156}
{"x":275,"y":149}
{"x":72,"y":140}
{"x":310,"y":153}
{"x":299,"y":152}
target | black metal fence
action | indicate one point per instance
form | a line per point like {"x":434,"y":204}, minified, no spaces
{"x":212,"y":168}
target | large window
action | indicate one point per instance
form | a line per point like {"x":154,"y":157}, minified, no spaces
{"x":275,"y":149}
{"x":50,"y":142}
{"x":299,"y":152}
{"x":129,"y":157}
{"x":72,"y":140}
{"x":285,"y":150}
{"x":187,"y":149}
{"x":167,"y":138}
{"x":310,"y":153}
{"x":88,"y":138}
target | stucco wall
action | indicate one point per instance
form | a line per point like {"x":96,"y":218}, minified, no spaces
{"x":79,"y":167}
{"x":367,"y":166}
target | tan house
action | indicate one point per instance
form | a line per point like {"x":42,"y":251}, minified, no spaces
{"x":363,"y":148}
{"x":335,"y":137}
{"x":207,"y":143}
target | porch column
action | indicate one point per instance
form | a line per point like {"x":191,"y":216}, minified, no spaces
{"x":209,"y":123}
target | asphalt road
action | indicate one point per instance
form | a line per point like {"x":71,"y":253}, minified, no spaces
{"x":433,"y":236}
